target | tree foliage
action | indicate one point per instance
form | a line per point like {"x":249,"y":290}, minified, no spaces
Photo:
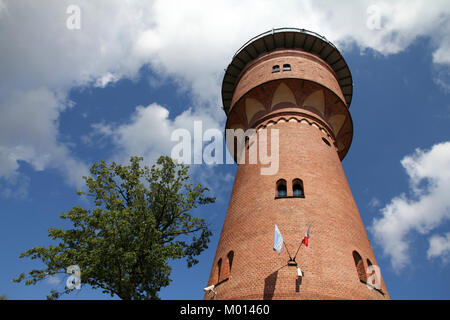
{"x":140,"y":220}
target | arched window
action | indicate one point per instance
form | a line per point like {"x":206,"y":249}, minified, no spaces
{"x":372,"y":278}
{"x":219,"y":269}
{"x":326,"y":142}
{"x":286,"y":67}
{"x":369,"y":263}
{"x":275,"y":68}
{"x":230,"y":256}
{"x":297,"y":188}
{"x":281,"y":188}
{"x":359,"y":264}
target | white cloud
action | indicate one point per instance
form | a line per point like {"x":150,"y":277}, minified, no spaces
{"x":2,"y":7}
{"x":53,"y":280}
{"x":427,"y":206}
{"x":199,"y":38}
{"x":15,"y":186}
{"x":374,"y":203}
{"x":149,"y":129}
{"x":439,"y":247}
{"x":148,"y":133}
{"x":441,"y":76}
{"x":28,"y":132}
{"x":40,"y":61}
{"x":190,"y":42}
{"x":106,"y":79}
{"x":38,"y":50}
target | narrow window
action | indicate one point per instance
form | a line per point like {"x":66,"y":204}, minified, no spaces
{"x":230,"y":259}
{"x":297,"y":188}
{"x":275,"y":68}
{"x":286,"y":67}
{"x":359,"y":264}
{"x":369,"y":263}
{"x":248,"y":143}
{"x":326,"y":142}
{"x":219,"y":269}
{"x":281,"y":188}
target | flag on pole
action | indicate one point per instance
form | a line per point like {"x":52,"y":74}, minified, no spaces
{"x":277,"y":240}
{"x":299,"y":272}
{"x":305,"y":239}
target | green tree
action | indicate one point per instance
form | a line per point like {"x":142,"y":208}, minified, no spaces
{"x":140,"y":220}
{"x":3,"y":297}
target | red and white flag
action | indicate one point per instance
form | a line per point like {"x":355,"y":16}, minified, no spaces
{"x":305,"y":239}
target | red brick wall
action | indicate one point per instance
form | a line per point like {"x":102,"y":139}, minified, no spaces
{"x":328,"y":206}
{"x":336,"y":227}
{"x":304,"y":65}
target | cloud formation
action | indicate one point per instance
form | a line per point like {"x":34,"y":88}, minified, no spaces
{"x":148,"y":134}
{"x":148,"y":131}
{"x":439,"y":247}
{"x":190,"y":42}
{"x":28,"y":132}
{"x":425,"y":208}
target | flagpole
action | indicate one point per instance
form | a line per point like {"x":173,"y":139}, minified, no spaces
{"x":298,"y":249}
{"x":287,"y":251}
{"x":306,"y":237}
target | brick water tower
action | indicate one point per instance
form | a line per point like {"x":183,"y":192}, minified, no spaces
{"x":297,"y":82}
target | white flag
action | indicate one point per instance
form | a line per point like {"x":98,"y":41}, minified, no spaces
{"x":299,"y":272}
{"x":277,"y":240}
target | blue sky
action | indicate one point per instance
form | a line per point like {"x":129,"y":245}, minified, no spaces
{"x":133,"y":73}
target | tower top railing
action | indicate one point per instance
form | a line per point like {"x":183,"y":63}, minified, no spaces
{"x":288,"y":38}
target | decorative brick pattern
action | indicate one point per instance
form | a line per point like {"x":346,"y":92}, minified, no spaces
{"x":337,"y":230}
